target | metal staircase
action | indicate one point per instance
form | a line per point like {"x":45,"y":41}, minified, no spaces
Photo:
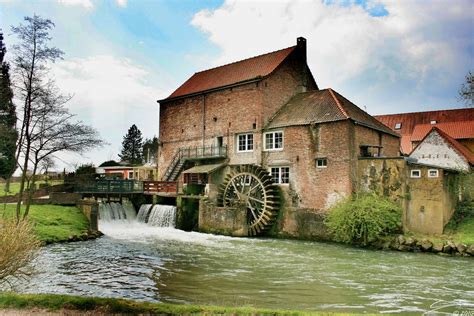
{"x":191,"y":153}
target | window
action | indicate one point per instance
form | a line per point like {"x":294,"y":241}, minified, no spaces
{"x":280,"y":175}
{"x":273,"y":141}
{"x":130,"y":175}
{"x":398,"y":125}
{"x":433,"y":122}
{"x":415,"y":174}
{"x":433,"y":173}
{"x":244,"y":142}
{"x":321,"y":163}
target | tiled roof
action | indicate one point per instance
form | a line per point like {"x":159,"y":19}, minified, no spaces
{"x":409,"y":121}
{"x":323,"y":106}
{"x":457,"y":130}
{"x":233,"y":73}
{"x":456,"y":145}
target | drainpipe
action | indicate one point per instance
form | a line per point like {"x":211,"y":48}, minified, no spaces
{"x":203,"y":119}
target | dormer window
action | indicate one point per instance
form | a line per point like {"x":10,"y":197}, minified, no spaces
{"x":398,"y":125}
{"x":433,"y":122}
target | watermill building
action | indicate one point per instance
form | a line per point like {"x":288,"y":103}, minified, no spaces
{"x":258,"y":135}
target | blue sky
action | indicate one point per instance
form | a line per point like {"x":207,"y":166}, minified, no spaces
{"x":121,"y":56}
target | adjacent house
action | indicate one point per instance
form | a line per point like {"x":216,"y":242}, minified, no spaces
{"x":413,"y":127}
{"x":441,"y":150}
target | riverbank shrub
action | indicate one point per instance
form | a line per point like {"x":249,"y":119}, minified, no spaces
{"x":18,"y":247}
{"x":363,"y":219}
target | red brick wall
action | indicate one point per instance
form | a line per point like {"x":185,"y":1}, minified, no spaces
{"x":198,"y":120}
{"x":368,"y":136}
{"x":312,"y":187}
{"x":289,"y":79}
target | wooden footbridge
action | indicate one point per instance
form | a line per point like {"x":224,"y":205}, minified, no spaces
{"x":127,"y":187}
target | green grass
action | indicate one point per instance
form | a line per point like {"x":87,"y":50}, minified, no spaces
{"x":52,"y":223}
{"x":54,"y":302}
{"x":15,"y":186}
{"x":463,"y":233}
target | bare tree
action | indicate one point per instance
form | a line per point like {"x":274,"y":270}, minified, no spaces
{"x":46,"y":165}
{"x":47,"y":126}
{"x":18,"y":247}
{"x":466,"y":93}
{"x":30,"y":75}
{"x":53,"y":129}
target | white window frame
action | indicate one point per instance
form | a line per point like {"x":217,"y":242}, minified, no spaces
{"x":435,"y":176}
{"x":414,"y":176}
{"x":246,"y":135}
{"x":273,"y":141}
{"x":322,"y":166}
{"x":398,"y":126}
{"x":280,"y":174}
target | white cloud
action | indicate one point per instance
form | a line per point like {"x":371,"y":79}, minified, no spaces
{"x":111,"y":94}
{"x":122,"y":3}
{"x":426,"y":44}
{"x":84,"y":3}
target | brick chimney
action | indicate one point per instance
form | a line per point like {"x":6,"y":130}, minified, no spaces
{"x":301,"y":45}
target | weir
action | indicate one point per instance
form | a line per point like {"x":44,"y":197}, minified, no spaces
{"x":154,"y":215}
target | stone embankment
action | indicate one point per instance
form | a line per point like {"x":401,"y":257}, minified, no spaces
{"x":410,"y":244}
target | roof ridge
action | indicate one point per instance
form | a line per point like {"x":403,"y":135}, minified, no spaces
{"x":338,"y":103}
{"x":245,"y":59}
{"x":416,"y":112}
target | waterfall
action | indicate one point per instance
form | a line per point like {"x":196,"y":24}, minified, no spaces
{"x":157,"y":215}
{"x":143,"y":213}
{"x":116,"y":211}
{"x":163,"y":216}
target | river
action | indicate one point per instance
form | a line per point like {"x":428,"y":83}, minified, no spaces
{"x":137,"y":261}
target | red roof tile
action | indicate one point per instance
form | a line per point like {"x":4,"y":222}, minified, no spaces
{"x":457,"y":146}
{"x":457,"y":130}
{"x":240,"y":71}
{"x":408,"y":122}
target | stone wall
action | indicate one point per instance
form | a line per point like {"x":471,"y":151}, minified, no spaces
{"x":301,"y":224}
{"x":222,"y":220}
{"x":427,"y":202}
{"x":90,"y":208}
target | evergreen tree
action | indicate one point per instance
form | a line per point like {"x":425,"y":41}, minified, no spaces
{"x":132,"y":146}
{"x":7,"y":119}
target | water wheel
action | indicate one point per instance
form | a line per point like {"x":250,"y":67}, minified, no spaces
{"x":251,"y":187}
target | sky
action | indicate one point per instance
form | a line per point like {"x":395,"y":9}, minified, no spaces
{"x":121,"y":56}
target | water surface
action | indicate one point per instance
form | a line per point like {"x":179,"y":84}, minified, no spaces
{"x":137,"y":261}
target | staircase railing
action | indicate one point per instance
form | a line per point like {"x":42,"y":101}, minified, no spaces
{"x":189,"y":153}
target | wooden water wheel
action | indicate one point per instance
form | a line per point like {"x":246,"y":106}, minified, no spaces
{"x":251,"y":187}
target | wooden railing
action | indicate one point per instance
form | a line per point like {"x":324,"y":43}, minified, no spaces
{"x":111,"y":186}
{"x":160,"y":187}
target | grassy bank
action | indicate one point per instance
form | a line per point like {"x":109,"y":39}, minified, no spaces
{"x":52,"y":223}
{"x":15,"y":186}
{"x":52,"y":302}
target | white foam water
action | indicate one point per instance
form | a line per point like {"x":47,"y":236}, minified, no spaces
{"x":163,"y":216}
